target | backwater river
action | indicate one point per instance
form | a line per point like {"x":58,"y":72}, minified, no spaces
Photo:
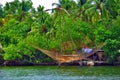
{"x":60,"y":73}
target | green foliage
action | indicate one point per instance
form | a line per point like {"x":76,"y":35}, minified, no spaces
{"x":111,"y":48}
{"x":79,"y":23}
{"x":101,"y":33}
{"x":115,"y":29}
{"x":38,"y":40}
{"x":112,"y":45}
{"x":26,"y":5}
{"x":1,"y":11}
{"x":11,"y":53}
{"x":10,"y":24}
{"x":16,"y":7}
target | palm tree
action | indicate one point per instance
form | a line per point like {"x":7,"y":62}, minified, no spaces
{"x":1,"y":11}
{"x":93,"y":10}
{"x":1,"y":15}
{"x":112,"y":6}
{"x":18,"y":8}
{"x":80,"y":10}
{"x":68,"y":5}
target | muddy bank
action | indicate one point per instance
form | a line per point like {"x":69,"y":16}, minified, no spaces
{"x":18,"y":63}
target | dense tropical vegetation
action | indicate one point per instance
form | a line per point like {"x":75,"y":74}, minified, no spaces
{"x":95,"y":23}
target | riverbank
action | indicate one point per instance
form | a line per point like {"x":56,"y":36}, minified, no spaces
{"x":84,"y":63}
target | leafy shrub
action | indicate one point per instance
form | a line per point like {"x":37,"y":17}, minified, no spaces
{"x":11,"y":53}
{"x":111,"y":48}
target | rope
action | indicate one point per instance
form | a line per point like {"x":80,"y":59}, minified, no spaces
{"x":74,"y":45}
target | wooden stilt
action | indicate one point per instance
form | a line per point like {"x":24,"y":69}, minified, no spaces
{"x":59,"y":63}
{"x":80,"y":63}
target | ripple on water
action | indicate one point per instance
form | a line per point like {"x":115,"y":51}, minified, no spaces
{"x":51,"y":77}
{"x":62,"y":73}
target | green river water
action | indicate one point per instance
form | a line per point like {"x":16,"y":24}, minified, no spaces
{"x":60,"y":73}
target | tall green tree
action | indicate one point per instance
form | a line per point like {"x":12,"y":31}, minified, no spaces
{"x":1,"y":11}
